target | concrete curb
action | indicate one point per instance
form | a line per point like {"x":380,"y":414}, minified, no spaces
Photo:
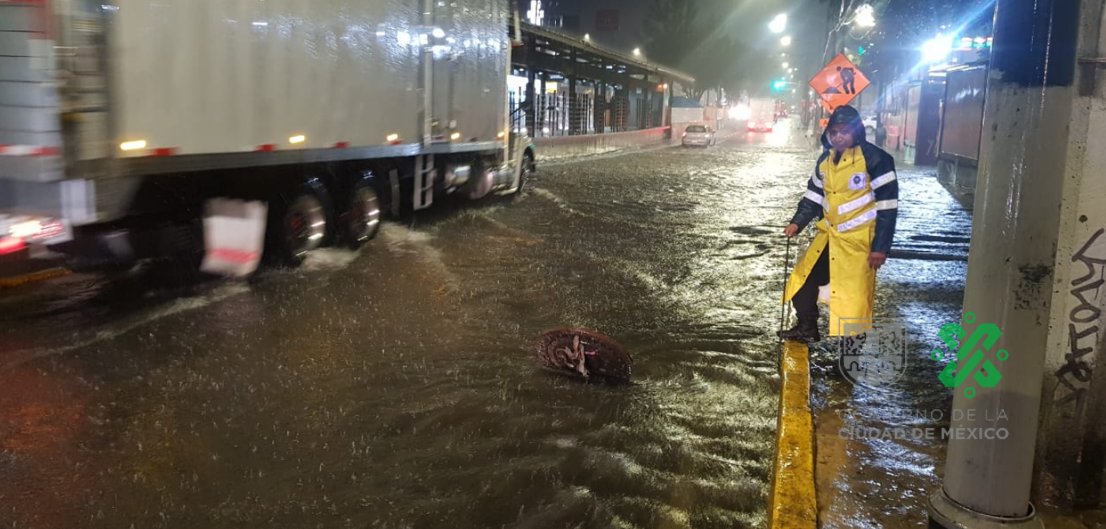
{"x":567,"y":160}
{"x":591,"y":144}
{"x":794,"y":503}
{"x":41,"y":275}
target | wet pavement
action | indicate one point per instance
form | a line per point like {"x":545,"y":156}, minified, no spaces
{"x":396,"y":387}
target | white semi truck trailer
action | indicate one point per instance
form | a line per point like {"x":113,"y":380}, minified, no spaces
{"x":121,"y":120}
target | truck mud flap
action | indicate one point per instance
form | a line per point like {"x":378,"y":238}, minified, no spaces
{"x":234,"y":236}
{"x":425,"y":175}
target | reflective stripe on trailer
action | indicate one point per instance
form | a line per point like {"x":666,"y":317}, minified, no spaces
{"x":268,"y":147}
{"x":160,"y":151}
{"x":28,"y":150}
{"x":235,"y":256}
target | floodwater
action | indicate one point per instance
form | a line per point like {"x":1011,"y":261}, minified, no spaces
{"x":396,"y":387}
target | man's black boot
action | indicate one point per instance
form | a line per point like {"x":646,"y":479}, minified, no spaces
{"x":805,"y":331}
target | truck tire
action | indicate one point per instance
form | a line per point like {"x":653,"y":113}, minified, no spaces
{"x":298,"y":226}
{"x":362,"y":219}
{"x":525,"y":171}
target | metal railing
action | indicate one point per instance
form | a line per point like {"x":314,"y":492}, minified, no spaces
{"x":562,"y":114}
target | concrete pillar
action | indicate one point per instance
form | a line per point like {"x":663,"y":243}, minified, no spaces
{"x":531,"y":98}
{"x":573,"y":107}
{"x":542,"y":105}
{"x":600,"y":105}
{"x":622,"y":100}
{"x":666,"y":112}
{"x":1072,"y":442}
{"x":1014,"y":250}
{"x":632,"y":120}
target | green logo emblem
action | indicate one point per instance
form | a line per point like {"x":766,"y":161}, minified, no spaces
{"x":971,"y":355}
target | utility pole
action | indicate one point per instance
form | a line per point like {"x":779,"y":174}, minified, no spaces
{"x":1016,"y":234}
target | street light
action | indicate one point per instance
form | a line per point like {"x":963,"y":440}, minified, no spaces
{"x":786,"y":40}
{"x":936,"y":49}
{"x":536,"y":15}
{"x":637,"y":52}
{"x":785,"y":65}
{"x":865,"y":16}
{"x":778,"y":24}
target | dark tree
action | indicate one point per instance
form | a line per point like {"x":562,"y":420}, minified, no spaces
{"x":691,"y":35}
{"x":667,"y":29}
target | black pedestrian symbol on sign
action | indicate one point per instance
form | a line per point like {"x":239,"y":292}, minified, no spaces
{"x":848,"y":79}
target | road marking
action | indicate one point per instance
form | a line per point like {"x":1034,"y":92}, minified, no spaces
{"x":794,"y":504}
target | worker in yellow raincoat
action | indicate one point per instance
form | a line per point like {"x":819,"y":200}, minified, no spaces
{"x":854,"y":192}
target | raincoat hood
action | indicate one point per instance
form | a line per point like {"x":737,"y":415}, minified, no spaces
{"x":849,"y":116}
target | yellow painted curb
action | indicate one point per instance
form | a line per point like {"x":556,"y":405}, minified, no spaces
{"x":41,"y":275}
{"x":794,"y":505}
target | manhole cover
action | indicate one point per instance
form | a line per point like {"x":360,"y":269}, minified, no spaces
{"x":584,"y":354}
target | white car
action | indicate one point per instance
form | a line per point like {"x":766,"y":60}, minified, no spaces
{"x":698,"y":136}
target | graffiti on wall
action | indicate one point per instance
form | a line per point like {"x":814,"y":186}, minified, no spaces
{"x":1083,"y":331}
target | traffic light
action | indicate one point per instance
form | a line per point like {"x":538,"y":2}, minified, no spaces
{"x":861,"y":50}
{"x":779,"y":85}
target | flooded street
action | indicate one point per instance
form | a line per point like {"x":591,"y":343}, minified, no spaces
{"x":397,"y":388}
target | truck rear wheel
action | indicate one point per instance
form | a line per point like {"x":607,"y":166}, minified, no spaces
{"x":299,"y":227}
{"x":363,"y":217}
{"x":525,"y":171}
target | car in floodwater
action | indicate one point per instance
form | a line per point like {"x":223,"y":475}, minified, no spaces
{"x":762,"y":115}
{"x":698,"y":136}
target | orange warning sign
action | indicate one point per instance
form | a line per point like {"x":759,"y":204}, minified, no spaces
{"x":839,"y":82}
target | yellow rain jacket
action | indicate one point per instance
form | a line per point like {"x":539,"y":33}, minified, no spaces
{"x":856,"y":198}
